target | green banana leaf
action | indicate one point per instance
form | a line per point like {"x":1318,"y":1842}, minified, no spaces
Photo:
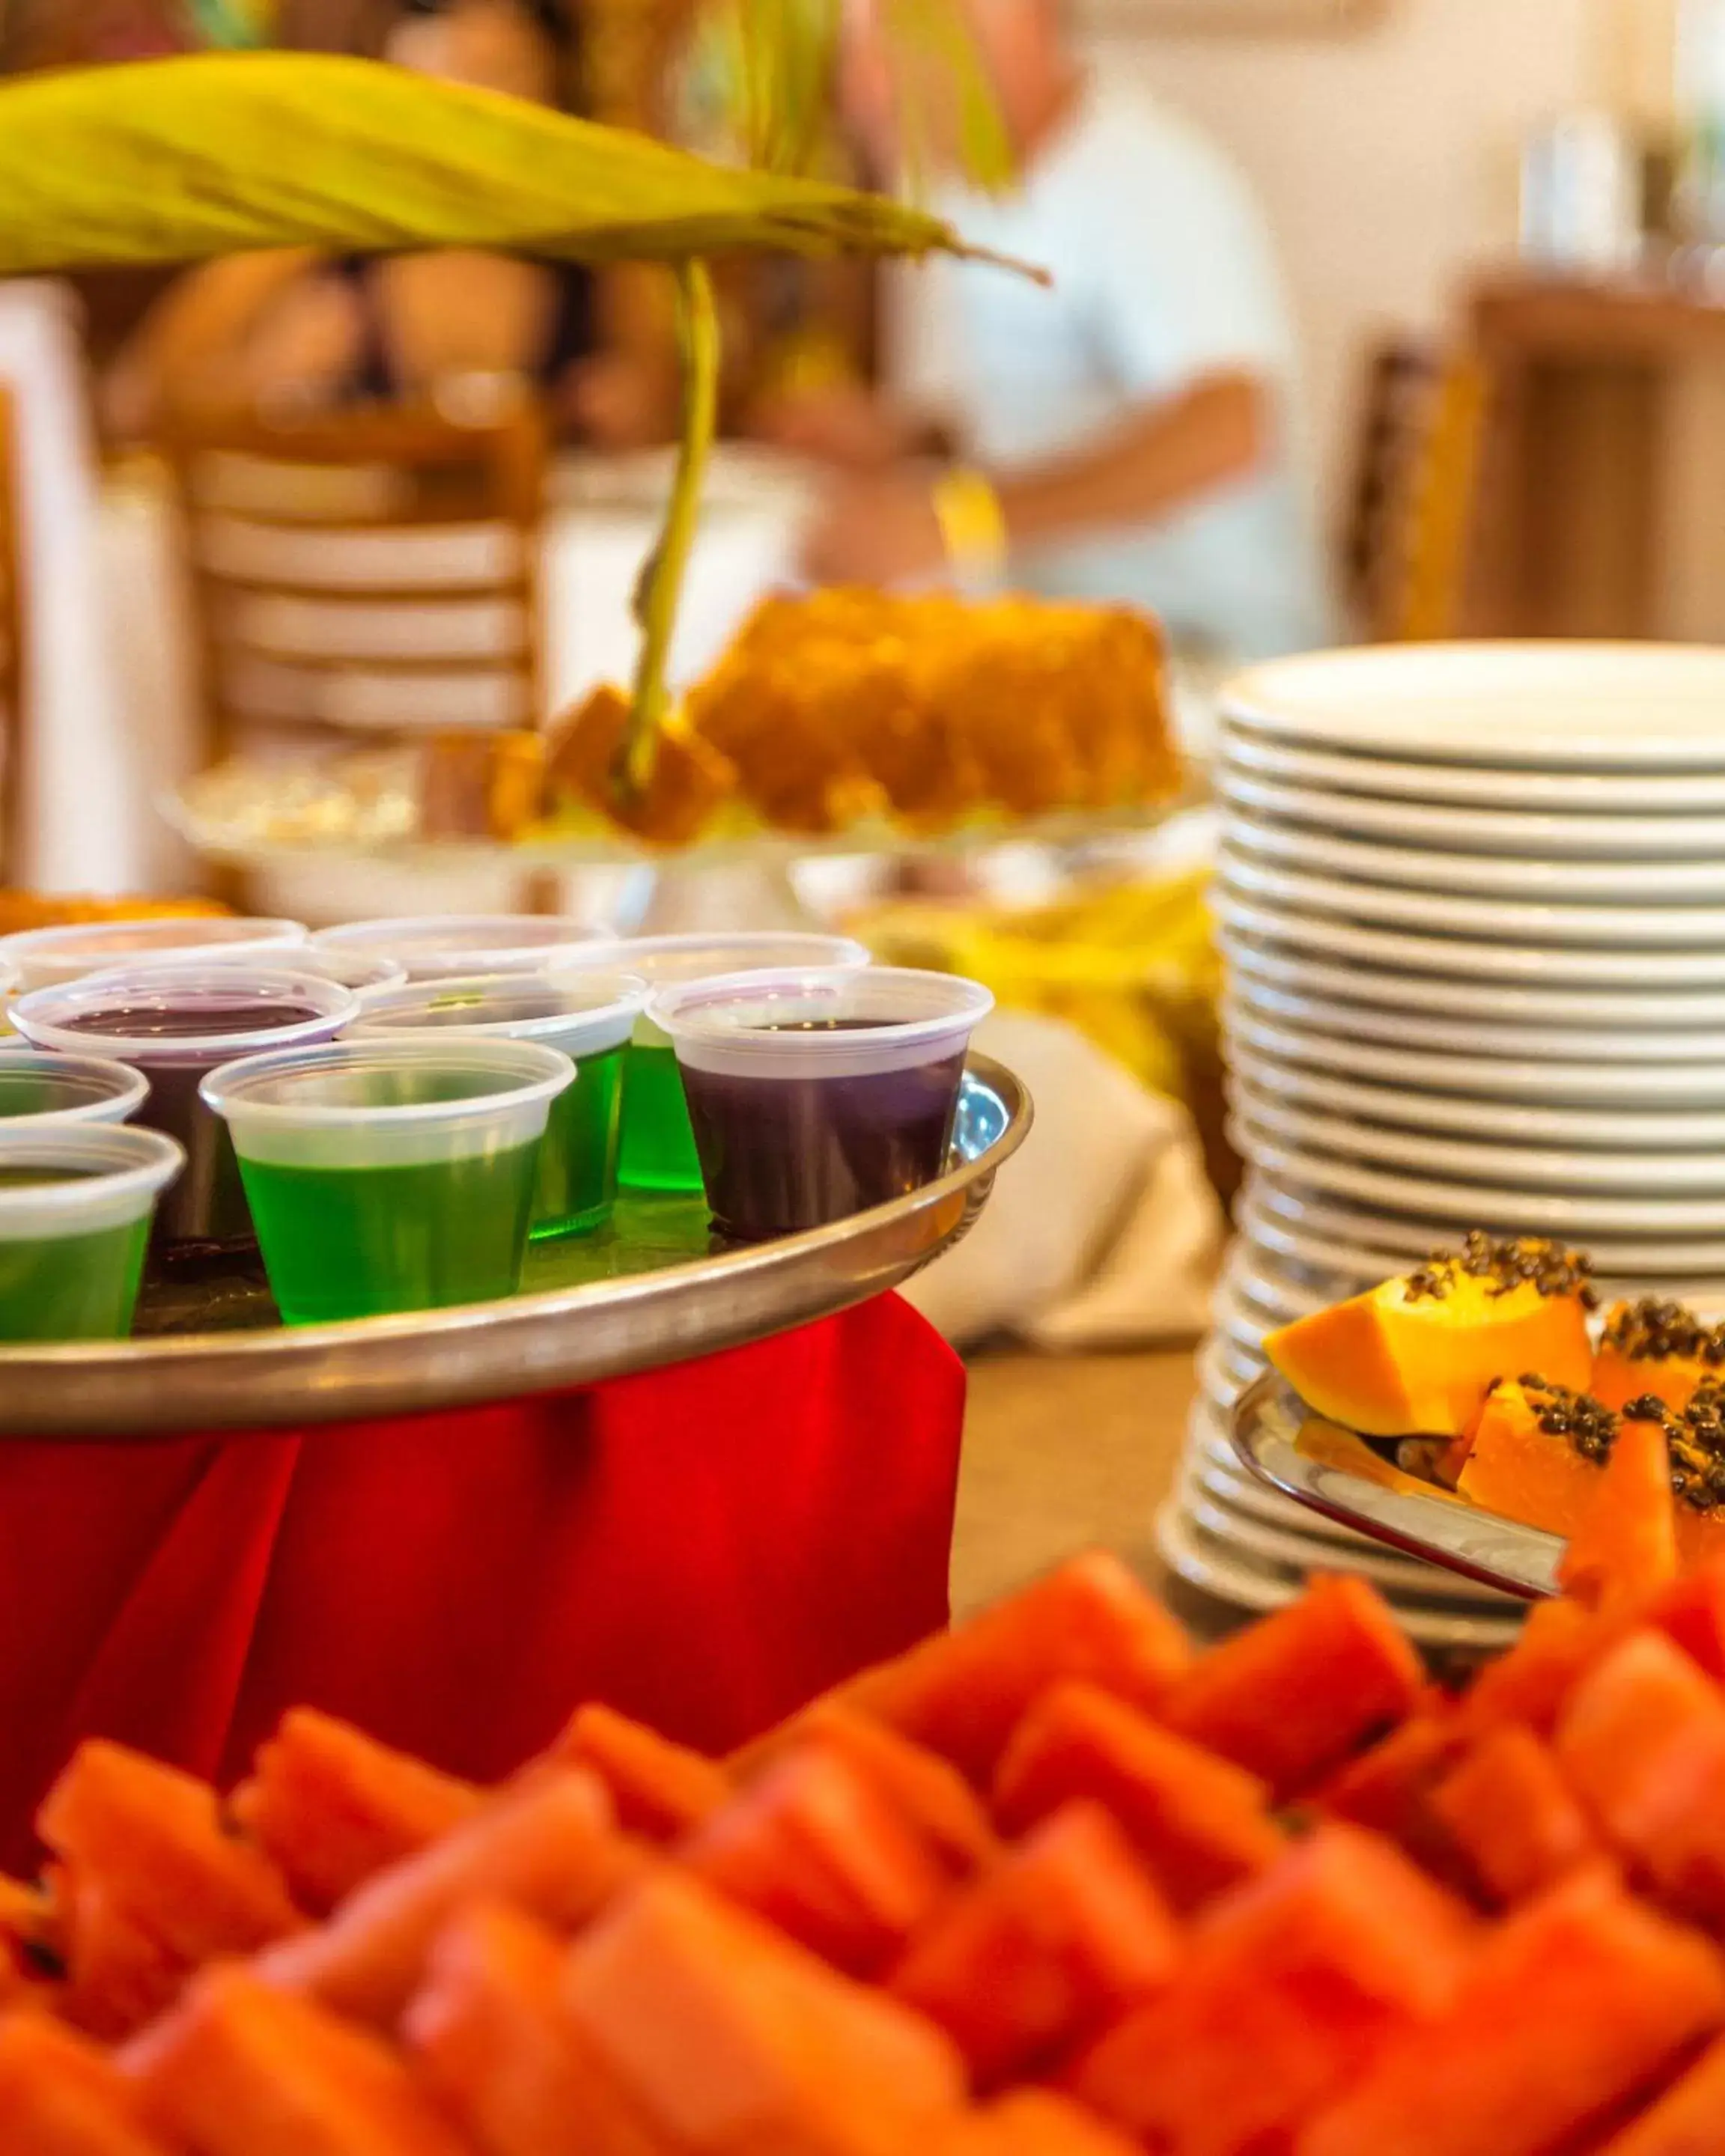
{"x":180,"y":160}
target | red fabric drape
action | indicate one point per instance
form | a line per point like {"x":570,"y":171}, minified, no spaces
{"x":705,"y":1547}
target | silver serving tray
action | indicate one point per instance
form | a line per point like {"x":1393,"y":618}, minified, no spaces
{"x":1333,"y":1471}
{"x":656,"y":1290}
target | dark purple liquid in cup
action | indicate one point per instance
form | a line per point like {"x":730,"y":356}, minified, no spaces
{"x":208,"y":1204}
{"x":779,"y":1155}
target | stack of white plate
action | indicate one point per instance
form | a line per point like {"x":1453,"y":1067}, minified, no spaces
{"x":1472,"y":903}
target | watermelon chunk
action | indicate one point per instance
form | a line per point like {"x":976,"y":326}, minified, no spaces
{"x":1201,"y":1824}
{"x":1291,"y":1986}
{"x":962,"y":1693}
{"x":61,"y":2097}
{"x":1030,"y":2123}
{"x":1507,"y":1805}
{"x":1643,"y":1746}
{"x":1692,"y":1612}
{"x":1294,"y":1696}
{"x":332,"y":1807}
{"x":925,"y":1789}
{"x":1624,"y":1546}
{"x":1041,"y":1953}
{"x":547,"y":1846}
{"x":241,"y":2069}
{"x":1576,"y":2005}
{"x":1389,"y":1789}
{"x":812,"y":1846}
{"x":728,"y":2037}
{"x":1686,"y":2120}
{"x":490,"y":2039}
{"x":1559,"y":1642}
{"x":659,"y":1790}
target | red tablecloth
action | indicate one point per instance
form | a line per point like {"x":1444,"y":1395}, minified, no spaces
{"x":706,"y":1546}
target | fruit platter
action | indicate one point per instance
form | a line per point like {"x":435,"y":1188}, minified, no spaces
{"x":1052,"y":1884}
{"x":1478,"y":1410}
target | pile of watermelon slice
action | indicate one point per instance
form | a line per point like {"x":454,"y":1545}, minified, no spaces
{"x":1051,"y":1884}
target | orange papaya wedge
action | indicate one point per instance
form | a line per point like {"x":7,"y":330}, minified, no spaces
{"x":1390,"y":1789}
{"x":1576,"y":2005}
{"x":1684,"y":2120}
{"x":1657,"y":1349}
{"x":332,"y":1807}
{"x":925,"y":1789}
{"x":659,"y":1790}
{"x":1038,"y":1955}
{"x":1029,"y":2121}
{"x":1508,"y":1808}
{"x":1201,"y":1824}
{"x":1418,"y":1355}
{"x":1624,"y":1547}
{"x":1525,"y":1461}
{"x":60,"y":2096}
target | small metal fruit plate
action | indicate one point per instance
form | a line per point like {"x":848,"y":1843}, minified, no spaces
{"x":655,"y":1288}
{"x":1337,"y":1472}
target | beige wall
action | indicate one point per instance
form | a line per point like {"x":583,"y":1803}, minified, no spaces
{"x":1386,"y":159}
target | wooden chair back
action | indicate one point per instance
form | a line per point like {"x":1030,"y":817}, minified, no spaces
{"x":372,"y":574}
{"x":12,"y":640}
{"x":1408,"y":548}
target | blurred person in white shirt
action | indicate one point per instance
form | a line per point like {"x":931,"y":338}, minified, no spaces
{"x":1133,"y":427}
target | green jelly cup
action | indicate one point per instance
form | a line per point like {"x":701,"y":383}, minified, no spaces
{"x":76,"y":1201}
{"x":391,"y":1175}
{"x":590,"y":1017}
{"x":658,"y":1150}
{"x":36,"y":1086}
{"x":50,"y":957}
{"x":442,"y":946}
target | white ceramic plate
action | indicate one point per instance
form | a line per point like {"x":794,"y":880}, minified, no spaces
{"x":1686,"y":1086}
{"x":1437,"y":912}
{"x":1576,"y":1172}
{"x":1461,"y":1035}
{"x":1293,"y":973}
{"x":1654,"y":1131}
{"x":1581,"y":1221}
{"x":1579,"y":883}
{"x":1404,"y":778}
{"x":1569,"y":706}
{"x":1275,"y":921}
{"x":1595,"y":840}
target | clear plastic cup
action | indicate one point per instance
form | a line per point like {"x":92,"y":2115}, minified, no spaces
{"x":37,"y":1087}
{"x":76,"y":1205}
{"x":589,"y":1017}
{"x":176,"y":1024}
{"x":816,"y":1095}
{"x":391,"y":1175}
{"x":452,"y":945}
{"x":46,"y":958}
{"x":659,"y":1151}
{"x":366,"y":975}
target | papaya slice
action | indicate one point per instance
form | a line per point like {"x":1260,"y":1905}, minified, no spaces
{"x":1290,"y":1697}
{"x":1291,"y":1986}
{"x":1692,"y":1612}
{"x":1418,"y":1355}
{"x":60,"y":2096}
{"x":1624,"y":1547}
{"x":925,"y":1789}
{"x":1508,"y":1807}
{"x":1684,"y":2120}
{"x":548,"y":1846}
{"x":1577,"y":2005}
{"x":1559,"y":1643}
{"x":1389,"y":1789}
{"x":119,"y":1973}
{"x":1657,"y":1349}
{"x":332,"y":1807}
{"x":1525,"y":1461}
{"x":1030,"y":2122}
{"x":1040,"y":1954}
{"x":240,"y":2069}
{"x":659,"y":1790}
{"x":1199,"y":1823}
{"x":1642,"y":1743}
{"x":489,"y":2037}
{"x":813,"y":1847}
{"x":728,"y":2036}
{"x":962,"y":1693}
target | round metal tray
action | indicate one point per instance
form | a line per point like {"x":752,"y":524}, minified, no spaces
{"x":655,"y":1288}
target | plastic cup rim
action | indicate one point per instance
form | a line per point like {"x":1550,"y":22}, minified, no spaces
{"x":238,"y":957}
{"x":130,"y":1086}
{"x":150,"y":1051}
{"x":387,"y":1005}
{"x":155,"y":1160}
{"x":972,"y":1004}
{"x":542,"y":1074}
{"x":414,"y":939}
{"x":844,"y":954}
{"x":264,"y":932}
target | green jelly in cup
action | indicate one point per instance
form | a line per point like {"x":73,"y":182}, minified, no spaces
{"x":590,"y":1017}
{"x":658,"y":1152}
{"x":76,"y":1201}
{"x":391,"y":1175}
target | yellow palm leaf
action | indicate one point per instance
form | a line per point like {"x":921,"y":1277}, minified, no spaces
{"x":180,"y":160}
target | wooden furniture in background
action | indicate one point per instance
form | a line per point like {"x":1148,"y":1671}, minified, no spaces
{"x":12,"y":640}
{"x":375,"y":574}
{"x":1605,"y":461}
